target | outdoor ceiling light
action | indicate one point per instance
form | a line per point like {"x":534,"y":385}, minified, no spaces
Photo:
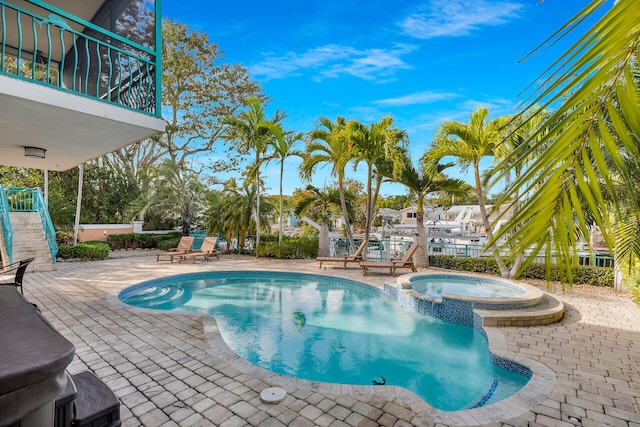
{"x":35,"y":152}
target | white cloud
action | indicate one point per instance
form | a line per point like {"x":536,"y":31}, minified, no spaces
{"x":440,"y":18}
{"x":426,"y":97}
{"x":332,"y":61}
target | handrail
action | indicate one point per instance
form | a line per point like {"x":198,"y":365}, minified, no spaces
{"x":7,"y":234}
{"x":47,"y":225}
{"x":29,"y":200}
{"x":117,"y":71}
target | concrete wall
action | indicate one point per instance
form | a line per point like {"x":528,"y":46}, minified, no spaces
{"x":88,"y":232}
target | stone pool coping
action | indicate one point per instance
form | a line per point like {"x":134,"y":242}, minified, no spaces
{"x":539,"y":387}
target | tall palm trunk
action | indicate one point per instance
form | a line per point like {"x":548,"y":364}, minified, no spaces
{"x":345,"y":214}
{"x":504,"y":270}
{"x":421,"y":257}
{"x":281,"y":204}
{"x":323,"y":238}
{"x":367,"y":225}
{"x":257,"y":199}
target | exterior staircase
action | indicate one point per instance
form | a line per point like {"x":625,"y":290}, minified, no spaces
{"x":26,"y":230}
{"x":29,"y":241}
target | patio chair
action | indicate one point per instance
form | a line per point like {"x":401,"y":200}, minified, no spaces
{"x":405,"y":262}
{"x":19,"y":267}
{"x":184,"y":246}
{"x":207,"y":250}
{"x":355,"y":257}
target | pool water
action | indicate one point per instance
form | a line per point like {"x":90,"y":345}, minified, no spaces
{"x":331,"y":330}
{"x":437,"y":286}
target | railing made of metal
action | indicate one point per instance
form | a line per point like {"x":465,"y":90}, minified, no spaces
{"x":5,"y":221}
{"x":47,"y":225}
{"x":477,"y":251}
{"x":395,"y":247}
{"x":120,"y":72}
{"x":31,"y":200}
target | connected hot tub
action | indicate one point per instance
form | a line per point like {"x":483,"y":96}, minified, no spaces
{"x":455,"y":297}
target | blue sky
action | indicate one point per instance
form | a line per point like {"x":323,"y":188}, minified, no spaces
{"x":422,"y":62}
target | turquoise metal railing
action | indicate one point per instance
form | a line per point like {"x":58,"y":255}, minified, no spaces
{"x":5,"y":221}
{"x":47,"y":225}
{"x":396,"y":246}
{"x":29,"y":200}
{"x":117,"y":71}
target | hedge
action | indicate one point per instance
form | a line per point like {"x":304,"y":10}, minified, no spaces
{"x":291,"y":248}
{"x":140,"y":240}
{"x":583,"y":274}
{"x":168,"y":243}
{"x":89,"y":250}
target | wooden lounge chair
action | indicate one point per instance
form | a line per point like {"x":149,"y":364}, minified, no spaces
{"x":405,"y":262}
{"x":355,"y":257}
{"x":207,"y":250}
{"x":184,"y":246}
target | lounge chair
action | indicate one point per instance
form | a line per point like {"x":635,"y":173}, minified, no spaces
{"x":19,"y":267}
{"x":207,"y":250}
{"x":405,"y":262}
{"x":184,"y":247}
{"x":355,"y":257}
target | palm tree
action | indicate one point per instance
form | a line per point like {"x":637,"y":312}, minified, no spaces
{"x":597,"y":87}
{"x":427,"y":179}
{"x":373,"y":144}
{"x":322,"y":201}
{"x":247,"y":132}
{"x":329,"y":145}
{"x":282,"y":143}
{"x":469,"y":143}
{"x":175,"y":192}
{"x":232,"y":210}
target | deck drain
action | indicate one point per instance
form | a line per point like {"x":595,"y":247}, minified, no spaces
{"x":272,"y":395}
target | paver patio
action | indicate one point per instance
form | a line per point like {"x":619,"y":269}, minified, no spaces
{"x":170,"y":370}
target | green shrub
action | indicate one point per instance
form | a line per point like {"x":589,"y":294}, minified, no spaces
{"x":167,"y":244}
{"x":139,"y":240}
{"x":89,"y":250}
{"x":583,"y":274}
{"x":291,"y":248}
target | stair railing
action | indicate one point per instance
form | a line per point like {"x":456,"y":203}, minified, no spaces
{"x":28,"y":200}
{"x":7,"y":234}
{"x":47,"y":225}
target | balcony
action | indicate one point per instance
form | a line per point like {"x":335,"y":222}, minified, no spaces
{"x":77,"y":79}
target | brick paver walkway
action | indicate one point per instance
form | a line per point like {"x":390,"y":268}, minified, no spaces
{"x":166,"y":372}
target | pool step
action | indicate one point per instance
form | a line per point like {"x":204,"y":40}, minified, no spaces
{"x":550,"y":311}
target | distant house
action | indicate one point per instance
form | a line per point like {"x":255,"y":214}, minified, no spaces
{"x":408,"y":215}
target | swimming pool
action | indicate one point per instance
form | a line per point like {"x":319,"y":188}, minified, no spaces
{"x":333,"y":330}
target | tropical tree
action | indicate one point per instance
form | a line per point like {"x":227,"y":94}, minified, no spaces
{"x":469,"y":143}
{"x":421,"y":181}
{"x":322,"y":202}
{"x":282,"y":144}
{"x":176,"y":193}
{"x":199,"y":92}
{"x":596,"y":87}
{"x":248,"y":132}
{"x":330,"y":145}
{"x":375,"y":144}
{"x":232,"y":211}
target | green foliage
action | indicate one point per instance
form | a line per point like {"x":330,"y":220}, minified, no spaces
{"x":87,"y":251}
{"x":584,"y":274}
{"x":140,"y":240}
{"x":290,"y":248}
{"x":167,"y":244}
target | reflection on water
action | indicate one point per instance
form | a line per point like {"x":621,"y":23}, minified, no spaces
{"x":332,"y":331}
